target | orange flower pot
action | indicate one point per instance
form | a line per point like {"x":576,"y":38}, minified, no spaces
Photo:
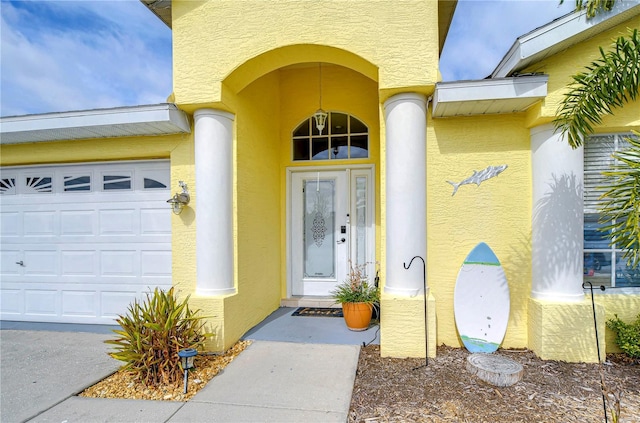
{"x":357,"y":316}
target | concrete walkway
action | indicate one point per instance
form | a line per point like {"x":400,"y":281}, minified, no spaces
{"x":40,"y":369}
{"x":270,"y":381}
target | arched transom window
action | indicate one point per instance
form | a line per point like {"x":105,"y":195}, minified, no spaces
{"x":344,"y":137}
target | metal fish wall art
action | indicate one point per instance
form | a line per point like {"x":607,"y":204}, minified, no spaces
{"x":479,"y":177}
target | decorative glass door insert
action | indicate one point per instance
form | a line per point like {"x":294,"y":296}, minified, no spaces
{"x":319,"y":220}
{"x":331,"y":224}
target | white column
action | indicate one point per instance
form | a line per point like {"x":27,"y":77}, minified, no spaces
{"x":406,"y":202}
{"x":557,"y":226}
{"x":213,"y":135}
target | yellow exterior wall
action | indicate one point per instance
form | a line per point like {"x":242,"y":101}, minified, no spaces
{"x":626,"y":306}
{"x":79,"y":151}
{"x":212,"y":39}
{"x":565,"y":331}
{"x":257,"y":207}
{"x":257,"y":212}
{"x":183,"y":226}
{"x":497,"y":212}
{"x":402,"y":329}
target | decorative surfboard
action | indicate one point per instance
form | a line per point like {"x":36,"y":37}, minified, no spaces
{"x":481,"y":301}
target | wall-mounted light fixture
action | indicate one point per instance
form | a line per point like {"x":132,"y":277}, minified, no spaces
{"x":179,"y":200}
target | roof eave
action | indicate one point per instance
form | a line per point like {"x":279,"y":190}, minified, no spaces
{"x":446,"y":10}
{"x":488,"y":96}
{"x":160,"y":8}
{"x":561,"y":33}
{"x":150,"y":120}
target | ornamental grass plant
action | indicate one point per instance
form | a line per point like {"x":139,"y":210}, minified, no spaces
{"x":152,"y":332}
{"x":356,"y":288}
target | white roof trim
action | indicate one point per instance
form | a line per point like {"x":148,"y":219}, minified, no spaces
{"x":488,"y":96}
{"x":561,"y":34}
{"x":159,"y":119}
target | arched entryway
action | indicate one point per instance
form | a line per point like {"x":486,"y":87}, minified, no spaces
{"x":270,"y":113}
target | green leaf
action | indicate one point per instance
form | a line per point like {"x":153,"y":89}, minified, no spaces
{"x":609,"y":81}
{"x":147,"y":341}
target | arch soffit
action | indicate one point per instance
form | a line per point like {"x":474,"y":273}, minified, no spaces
{"x":264,"y":63}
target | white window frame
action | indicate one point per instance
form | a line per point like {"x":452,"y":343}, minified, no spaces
{"x":591,"y":210}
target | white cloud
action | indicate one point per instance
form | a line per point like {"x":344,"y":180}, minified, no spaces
{"x":102,"y":54}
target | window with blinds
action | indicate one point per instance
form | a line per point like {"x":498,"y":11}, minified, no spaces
{"x":603,"y":264}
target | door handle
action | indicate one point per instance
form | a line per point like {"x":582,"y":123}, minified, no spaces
{"x":342,"y":240}
{"x":21,"y":263}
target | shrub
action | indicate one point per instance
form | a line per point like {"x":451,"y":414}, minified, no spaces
{"x":152,"y":332}
{"x":627,"y":335}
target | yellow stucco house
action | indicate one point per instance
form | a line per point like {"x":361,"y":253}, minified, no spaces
{"x":279,"y":206}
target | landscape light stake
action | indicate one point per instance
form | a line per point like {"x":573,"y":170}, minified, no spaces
{"x":595,"y":325}
{"x":426,"y":326}
{"x":187,"y":356}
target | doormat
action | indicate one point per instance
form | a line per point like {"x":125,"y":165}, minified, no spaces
{"x":317,"y":312}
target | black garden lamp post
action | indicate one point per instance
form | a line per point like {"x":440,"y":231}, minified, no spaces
{"x":187,"y":356}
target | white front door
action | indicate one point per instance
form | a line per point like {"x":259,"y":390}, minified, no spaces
{"x":331,"y":226}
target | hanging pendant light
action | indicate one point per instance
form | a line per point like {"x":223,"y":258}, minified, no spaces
{"x":320,"y":116}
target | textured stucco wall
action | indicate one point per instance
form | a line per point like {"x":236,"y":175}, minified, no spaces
{"x":183,"y":226}
{"x":256,"y":210}
{"x":402,"y":327}
{"x":92,"y":150}
{"x":212,"y":39}
{"x":565,"y":331}
{"x":257,"y":207}
{"x":497,"y":212}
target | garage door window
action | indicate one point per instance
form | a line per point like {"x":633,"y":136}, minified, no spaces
{"x":77,"y":183}
{"x":113,"y":182}
{"x":154,"y":179}
{"x":7,"y":186}
{"x":38,"y":184}
{"x":78,"y":179}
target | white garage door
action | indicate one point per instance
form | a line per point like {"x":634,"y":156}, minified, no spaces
{"x":80,"y":242}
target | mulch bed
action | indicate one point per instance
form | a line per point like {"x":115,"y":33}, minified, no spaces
{"x":122,"y":384}
{"x":389,"y":390}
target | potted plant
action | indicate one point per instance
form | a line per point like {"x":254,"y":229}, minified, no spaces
{"x":357,"y":296}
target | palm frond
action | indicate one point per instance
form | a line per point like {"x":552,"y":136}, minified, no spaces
{"x":620,"y":207}
{"x":594,"y":6}
{"x":608,"y":83}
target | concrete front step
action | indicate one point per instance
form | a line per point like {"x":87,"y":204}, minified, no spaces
{"x":302,"y":301}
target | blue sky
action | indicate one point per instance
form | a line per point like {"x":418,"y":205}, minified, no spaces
{"x":61,"y":55}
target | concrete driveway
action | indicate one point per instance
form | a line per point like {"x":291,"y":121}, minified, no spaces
{"x":41,"y":368}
